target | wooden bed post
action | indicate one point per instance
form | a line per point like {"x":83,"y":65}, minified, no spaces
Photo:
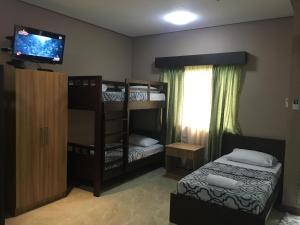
{"x":126,"y":126}
{"x":98,"y":166}
{"x":3,"y":148}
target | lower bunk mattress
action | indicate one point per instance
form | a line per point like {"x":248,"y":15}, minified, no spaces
{"x":256,"y":184}
{"x":113,"y":158}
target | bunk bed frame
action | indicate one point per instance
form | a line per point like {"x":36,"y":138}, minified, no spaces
{"x":85,"y":93}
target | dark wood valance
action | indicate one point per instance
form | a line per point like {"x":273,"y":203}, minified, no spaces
{"x":230,"y":58}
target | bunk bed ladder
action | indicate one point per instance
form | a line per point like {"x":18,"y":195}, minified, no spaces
{"x":99,"y":155}
{"x":126,"y":127}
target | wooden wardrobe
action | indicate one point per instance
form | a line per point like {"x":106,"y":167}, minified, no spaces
{"x":36,"y":131}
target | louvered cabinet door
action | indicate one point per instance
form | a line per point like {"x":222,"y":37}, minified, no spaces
{"x":30,"y":157}
{"x":56,"y":133}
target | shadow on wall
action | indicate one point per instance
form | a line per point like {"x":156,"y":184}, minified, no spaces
{"x":251,"y":65}
{"x":154,"y":70}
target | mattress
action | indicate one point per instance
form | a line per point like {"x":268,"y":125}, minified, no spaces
{"x":251,"y":196}
{"x":134,"y":153}
{"x":109,"y":96}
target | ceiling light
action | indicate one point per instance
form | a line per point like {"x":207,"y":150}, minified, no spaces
{"x":180,"y":17}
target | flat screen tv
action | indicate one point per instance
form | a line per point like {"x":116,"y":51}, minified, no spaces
{"x":38,"y":45}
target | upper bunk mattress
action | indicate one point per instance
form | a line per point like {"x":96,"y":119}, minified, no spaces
{"x":251,"y":195}
{"x":109,"y":96}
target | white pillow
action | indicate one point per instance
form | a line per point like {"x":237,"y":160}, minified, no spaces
{"x":104,"y":87}
{"x":252,"y":157}
{"x":140,"y":140}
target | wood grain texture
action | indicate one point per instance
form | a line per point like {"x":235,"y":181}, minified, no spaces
{"x":56,"y":133}
{"x":30,"y":168}
{"x":39,"y":154}
{"x":176,"y":153}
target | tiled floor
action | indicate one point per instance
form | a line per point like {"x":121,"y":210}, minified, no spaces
{"x":141,"y":201}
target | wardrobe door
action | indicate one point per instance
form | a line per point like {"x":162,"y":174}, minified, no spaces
{"x":30,"y":121}
{"x":56,"y":133}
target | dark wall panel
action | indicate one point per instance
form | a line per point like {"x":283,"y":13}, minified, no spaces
{"x":231,"y":58}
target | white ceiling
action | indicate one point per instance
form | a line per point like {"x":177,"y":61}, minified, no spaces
{"x":144,"y":17}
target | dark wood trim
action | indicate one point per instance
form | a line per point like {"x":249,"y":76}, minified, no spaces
{"x":230,"y":58}
{"x":2,"y":149}
{"x":290,"y":209}
{"x":185,"y":210}
{"x":10,"y":139}
{"x":99,"y":138}
{"x":85,"y":93}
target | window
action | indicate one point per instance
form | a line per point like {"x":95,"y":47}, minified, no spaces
{"x":197,"y":99}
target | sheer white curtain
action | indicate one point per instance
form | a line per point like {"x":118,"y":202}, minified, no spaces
{"x":197,"y":99}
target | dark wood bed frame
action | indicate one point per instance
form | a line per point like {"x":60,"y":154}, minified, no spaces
{"x":185,"y":210}
{"x":85,"y":93}
{"x":2,"y":148}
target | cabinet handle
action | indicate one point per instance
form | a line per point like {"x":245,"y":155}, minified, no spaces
{"x":41,"y":137}
{"x":46,"y":135}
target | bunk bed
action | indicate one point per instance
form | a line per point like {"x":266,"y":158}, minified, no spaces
{"x":111,"y":101}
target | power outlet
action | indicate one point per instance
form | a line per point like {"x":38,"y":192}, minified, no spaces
{"x":296,"y":105}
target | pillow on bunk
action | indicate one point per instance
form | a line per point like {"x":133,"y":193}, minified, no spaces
{"x":252,"y":157}
{"x":104,"y":87}
{"x":140,"y":140}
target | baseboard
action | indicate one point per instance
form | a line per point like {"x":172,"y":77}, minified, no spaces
{"x":290,"y":209}
{"x":22,"y":210}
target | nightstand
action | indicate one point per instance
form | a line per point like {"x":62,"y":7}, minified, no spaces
{"x":177,"y":153}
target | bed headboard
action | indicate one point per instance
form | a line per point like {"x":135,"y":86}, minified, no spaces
{"x":269,"y":146}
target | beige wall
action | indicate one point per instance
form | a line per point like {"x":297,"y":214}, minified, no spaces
{"x":92,"y":50}
{"x":292,"y":175}
{"x":89,"y":50}
{"x":262,"y":111}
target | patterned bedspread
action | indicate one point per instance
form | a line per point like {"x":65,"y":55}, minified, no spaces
{"x":251,"y":195}
{"x":133,"y":96}
{"x":135,"y":153}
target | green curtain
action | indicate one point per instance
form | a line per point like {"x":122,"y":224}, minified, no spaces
{"x":225,"y":101}
{"x":175,"y":80}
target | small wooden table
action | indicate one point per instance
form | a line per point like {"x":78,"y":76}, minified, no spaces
{"x":177,"y":153}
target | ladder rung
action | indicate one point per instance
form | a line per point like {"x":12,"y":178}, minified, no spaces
{"x":113,"y":147}
{"x":112,"y":119}
{"x":115,"y":133}
{"x":120,"y":160}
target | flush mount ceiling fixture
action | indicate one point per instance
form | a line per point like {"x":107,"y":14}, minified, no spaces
{"x":180,"y":18}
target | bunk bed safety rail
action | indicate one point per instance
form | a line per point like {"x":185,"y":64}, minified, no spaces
{"x":160,"y":86}
{"x":84,"y":92}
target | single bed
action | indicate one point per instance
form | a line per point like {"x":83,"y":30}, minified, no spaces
{"x":257,"y":185}
{"x":197,"y":202}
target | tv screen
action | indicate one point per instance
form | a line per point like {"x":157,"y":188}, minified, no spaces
{"x":38,"y":45}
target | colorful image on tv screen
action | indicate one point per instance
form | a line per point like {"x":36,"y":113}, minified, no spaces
{"x":38,"y":46}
